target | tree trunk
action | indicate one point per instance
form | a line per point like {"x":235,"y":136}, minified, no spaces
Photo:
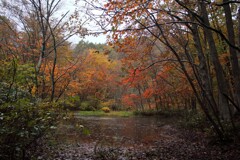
{"x":233,"y":53}
{"x":141,"y":99}
{"x":222,"y":83}
{"x":156,"y":102}
{"x":203,"y":72}
{"x":54,"y":65}
{"x":193,"y":104}
{"x":238,"y":16}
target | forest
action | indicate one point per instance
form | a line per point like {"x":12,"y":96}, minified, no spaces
{"x":176,"y":59}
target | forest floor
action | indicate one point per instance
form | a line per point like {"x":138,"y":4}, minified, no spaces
{"x":172,"y":142}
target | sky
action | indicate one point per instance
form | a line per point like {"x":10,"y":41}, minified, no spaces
{"x":68,"y":5}
{"x":93,"y":39}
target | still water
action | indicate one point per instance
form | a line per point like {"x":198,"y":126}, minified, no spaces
{"x":126,"y":131}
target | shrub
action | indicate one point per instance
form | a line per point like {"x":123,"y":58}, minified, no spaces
{"x":72,"y":103}
{"x":87,"y":106}
{"x":94,"y":102}
{"x":90,"y":104}
{"x":24,"y":118}
{"x":22,"y":123}
{"x":105,"y":109}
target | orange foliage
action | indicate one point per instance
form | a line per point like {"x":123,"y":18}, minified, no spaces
{"x":96,"y":76}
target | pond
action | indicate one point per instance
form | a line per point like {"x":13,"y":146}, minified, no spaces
{"x":129,"y":138}
{"x":126,"y":131}
{"x":120,"y":138}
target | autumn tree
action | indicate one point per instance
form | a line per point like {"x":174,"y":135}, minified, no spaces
{"x":44,"y":33}
{"x":95,"y":79}
{"x":195,"y":40}
{"x":153,"y":74}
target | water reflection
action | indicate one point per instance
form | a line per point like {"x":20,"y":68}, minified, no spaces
{"x":126,"y":131}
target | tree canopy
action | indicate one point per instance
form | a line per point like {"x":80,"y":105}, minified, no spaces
{"x":171,"y":54}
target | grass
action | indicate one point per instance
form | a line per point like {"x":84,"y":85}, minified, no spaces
{"x":165,"y":113}
{"x":111,"y":113}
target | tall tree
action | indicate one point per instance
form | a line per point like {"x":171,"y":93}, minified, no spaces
{"x":233,"y":51}
{"x":44,"y":32}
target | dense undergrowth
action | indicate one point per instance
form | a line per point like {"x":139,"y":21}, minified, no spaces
{"x":23,"y":121}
